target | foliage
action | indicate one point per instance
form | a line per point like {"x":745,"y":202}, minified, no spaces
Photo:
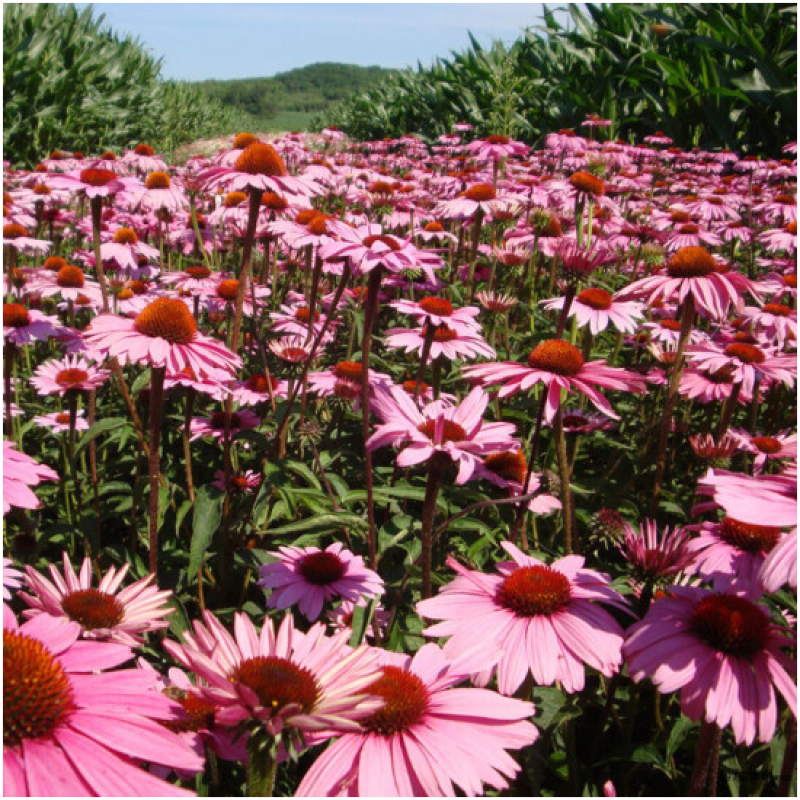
{"x":720,"y":75}
{"x":310,"y":89}
{"x":70,"y":83}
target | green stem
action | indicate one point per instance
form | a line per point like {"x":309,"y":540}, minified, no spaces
{"x":262,"y":766}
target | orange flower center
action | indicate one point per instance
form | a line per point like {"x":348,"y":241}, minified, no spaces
{"x":71,"y":377}
{"x":749,"y":537}
{"x":228,"y":289}
{"x":218,"y":420}
{"x":599,"y":299}
{"x":441,"y":333}
{"x":143,"y":150}
{"x":436,"y":305}
{"x":746,"y":353}
{"x":260,"y":384}
{"x":434,"y":227}
{"x":410,"y":387}
{"x":680,"y":216}
{"x":480,"y":192}
{"x":689,"y":228}
{"x":389,"y":241}
{"x":730,"y":624}
{"x":54,"y":263}
{"x":198,"y":272}
{"x":318,"y":225}
{"x":691,"y":262}
{"x":791,"y":227}
{"x":451,"y":431}
{"x":37,"y":694}
{"x":778,"y":310}
{"x":586,"y":182}
{"x":157,"y":180}
{"x":558,"y":357}
{"x":97,"y":177}
{"x":534,"y":591}
{"x":70,"y":277}
{"x":321,"y":568}
{"x":274,"y":201}
{"x":233,"y":199}
{"x":496,"y":138}
{"x":14,"y":231}
{"x":199,"y":713}
{"x":138,"y":287}
{"x":15,"y":316}
{"x":767,"y":444}
{"x":303,"y":314}
{"x":41,"y":189}
{"x":243,"y":140}
{"x":305,"y":215}
{"x":260,"y":159}
{"x":278,"y":683}
{"x":671,"y":324}
{"x":406,"y":700}
{"x":349,"y":371}
{"x":125,"y":236}
{"x":93,"y":609}
{"x":62,"y":418}
{"x":510,"y":466}
{"x":168,"y":319}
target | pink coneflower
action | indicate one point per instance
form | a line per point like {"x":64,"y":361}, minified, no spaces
{"x":597,"y":308}
{"x":479,"y":198}
{"x":164,"y":334}
{"x":69,"y":374}
{"x":12,"y":578}
{"x":344,"y":379}
{"x":438,"y":311}
{"x":238,"y":483}
{"x":732,"y":547}
{"x":451,"y":344}
{"x":784,"y":238}
{"x":368,"y":247}
{"x":457,"y":431}
{"x":428,"y":739}
{"x":73,"y":726}
{"x":495,"y":147}
{"x":94,"y":181}
{"x":213,"y":427}
{"x":58,"y":422}
{"x":285,"y":681}
{"x":656,"y":557}
{"x":576,"y":420}
{"x":258,"y":388}
{"x":559,"y":365}
{"x":16,"y":237}
{"x":143,"y":159}
{"x":747,"y":362}
{"x":341,"y":617}
{"x":158,"y":192}
{"x":295,"y":319}
{"x":496,"y":303}
{"x":773,"y":320}
{"x":692,"y":271}
{"x":23,"y":325}
{"x":105,"y":613}
{"x":20,"y":472}
{"x":196,"y":280}
{"x":258,"y":166}
{"x":125,"y":248}
{"x":781,"y":445}
{"x":508,"y":469}
{"x":536,"y":618}
{"x":70,"y":283}
{"x":722,"y":651}
{"x":705,"y":446}
{"x":310,"y":577}
{"x":710,"y":386}
{"x":690,"y":234}
{"x":291,"y":349}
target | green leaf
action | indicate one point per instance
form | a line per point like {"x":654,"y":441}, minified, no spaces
{"x":99,"y":428}
{"x":205,"y":521}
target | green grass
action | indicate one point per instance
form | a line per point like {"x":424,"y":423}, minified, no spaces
{"x":288,"y":121}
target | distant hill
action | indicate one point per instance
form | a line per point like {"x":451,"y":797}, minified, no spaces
{"x":288,"y":100}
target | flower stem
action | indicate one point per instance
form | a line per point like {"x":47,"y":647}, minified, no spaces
{"x":707,"y":752}
{"x":687,"y":317}
{"x":97,"y":219}
{"x":436,"y":468}
{"x":370,"y":312}
{"x":156,"y":403}
{"x":564,"y":471}
{"x":262,"y":766}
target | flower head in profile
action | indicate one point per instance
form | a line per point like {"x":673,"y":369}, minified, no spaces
{"x":539,"y":619}
{"x":164,"y":334}
{"x":691,"y":271}
{"x":23,"y":325}
{"x":656,"y":557}
{"x":280,"y":680}
{"x":598,"y":309}
{"x":723,"y":653}
{"x":458,"y":432}
{"x":309,"y":577}
{"x":559,"y":365}
{"x":74,"y":726}
{"x":428,"y":739}
{"x":106,"y":613}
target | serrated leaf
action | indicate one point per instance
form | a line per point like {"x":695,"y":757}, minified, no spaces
{"x":205,"y":521}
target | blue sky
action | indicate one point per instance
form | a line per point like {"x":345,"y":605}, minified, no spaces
{"x":242,"y":40}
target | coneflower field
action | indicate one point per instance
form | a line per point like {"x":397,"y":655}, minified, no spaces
{"x":339,"y":468}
